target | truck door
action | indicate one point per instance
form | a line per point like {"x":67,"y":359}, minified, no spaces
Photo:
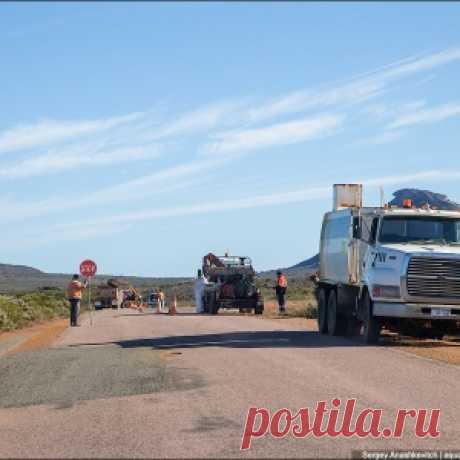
{"x":335,"y":247}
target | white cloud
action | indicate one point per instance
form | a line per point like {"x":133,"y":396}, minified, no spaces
{"x":129,"y":137}
{"x":170,"y":179}
{"x":429,"y":115}
{"x":207,"y":207}
{"x":291,"y":132}
{"x":295,"y":196}
{"x":71,"y":145}
{"x":81,"y":233}
{"x":45,"y":132}
{"x":361,"y":88}
{"x":78,"y":156}
{"x":201,"y":119}
{"x":167,"y":179}
{"x":377,"y":111}
{"x":383,"y":138}
{"x":142,"y":127}
{"x":423,"y":63}
{"x":299,"y":101}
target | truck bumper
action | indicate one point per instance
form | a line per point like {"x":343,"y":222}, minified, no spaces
{"x":416,"y":310}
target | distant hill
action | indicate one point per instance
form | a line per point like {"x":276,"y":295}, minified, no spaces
{"x":21,"y":278}
{"x":312,"y":262}
{"x":419,"y":197}
{"x":301,"y":270}
{"x":10,"y":271}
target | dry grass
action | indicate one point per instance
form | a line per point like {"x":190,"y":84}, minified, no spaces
{"x":294,"y":309}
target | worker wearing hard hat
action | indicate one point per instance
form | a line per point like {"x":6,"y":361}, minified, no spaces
{"x":74,"y":293}
{"x":200,"y":284}
{"x":280,"y":290}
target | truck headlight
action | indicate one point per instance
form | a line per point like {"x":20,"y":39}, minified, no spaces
{"x":389,"y":292}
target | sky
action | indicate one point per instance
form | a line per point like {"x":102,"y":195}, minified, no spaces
{"x":145,"y":135}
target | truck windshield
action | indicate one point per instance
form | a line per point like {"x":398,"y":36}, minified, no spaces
{"x":414,"y":229}
{"x":233,"y":261}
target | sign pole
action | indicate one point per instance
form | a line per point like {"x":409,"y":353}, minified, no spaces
{"x":89,"y":302}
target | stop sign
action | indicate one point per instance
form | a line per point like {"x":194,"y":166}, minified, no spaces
{"x":88,"y":268}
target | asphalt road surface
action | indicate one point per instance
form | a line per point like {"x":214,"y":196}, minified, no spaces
{"x":147,"y":385}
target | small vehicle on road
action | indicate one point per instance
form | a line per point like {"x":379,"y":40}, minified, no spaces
{"x":231,"y":284}
{"x":392,"y":267}
{"x":107,"y":296}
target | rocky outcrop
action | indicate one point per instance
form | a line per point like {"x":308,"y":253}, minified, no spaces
{"x":421,"y":197}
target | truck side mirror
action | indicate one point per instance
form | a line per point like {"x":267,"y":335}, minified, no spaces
{"x":356,"y":228}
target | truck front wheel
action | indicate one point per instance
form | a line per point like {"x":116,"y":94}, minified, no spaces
{"x":322,"y":312}
{"x":335,"y":322}
{"x":371,"y":324}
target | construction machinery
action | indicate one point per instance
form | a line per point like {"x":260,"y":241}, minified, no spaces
{"x":108,"y":295}
{"x":116,"y":294}
{"x":231,"y":284}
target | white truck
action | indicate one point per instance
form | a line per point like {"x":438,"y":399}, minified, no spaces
{"x":392,"y":267}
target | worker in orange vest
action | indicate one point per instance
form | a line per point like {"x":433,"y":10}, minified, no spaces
{"x":74,"y":293}
{"x":280,"y":289}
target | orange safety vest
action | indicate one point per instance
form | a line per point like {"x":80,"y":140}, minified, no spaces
{"x":281,"y":281}
{"x":74,"y":289}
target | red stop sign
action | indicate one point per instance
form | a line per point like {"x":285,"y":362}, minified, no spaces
{"x":88,"y":268}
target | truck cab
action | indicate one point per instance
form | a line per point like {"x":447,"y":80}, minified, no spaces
{"x":390,"y":267}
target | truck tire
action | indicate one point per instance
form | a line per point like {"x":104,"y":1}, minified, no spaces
{"x":371,"y":324}
{"x":213,"y":306}
{"x":436,"y":333}
{"x":322,"y":311}
{"x":353,"y":327}
{"x":259,"y":309}
{"x":206,"y":303}
{"x":336,"y":324}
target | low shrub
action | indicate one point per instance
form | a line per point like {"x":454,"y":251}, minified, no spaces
{"x":17,"y":311}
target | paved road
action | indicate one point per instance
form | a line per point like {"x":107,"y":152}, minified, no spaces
{"x":146,"y":385}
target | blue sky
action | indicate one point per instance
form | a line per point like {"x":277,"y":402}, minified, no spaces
{"x":145,"y":135}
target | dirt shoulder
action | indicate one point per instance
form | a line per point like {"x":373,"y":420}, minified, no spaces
{"x":32,"y":338}
{"x":447,"y":351}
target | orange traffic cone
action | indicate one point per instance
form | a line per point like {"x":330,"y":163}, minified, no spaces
{"x":173,"y":307}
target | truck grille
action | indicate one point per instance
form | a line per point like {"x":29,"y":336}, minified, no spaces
{"x":433,"y":277}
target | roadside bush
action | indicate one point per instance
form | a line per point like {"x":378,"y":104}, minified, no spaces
{"x":24,"y":309}
{"x":311,"y":311}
